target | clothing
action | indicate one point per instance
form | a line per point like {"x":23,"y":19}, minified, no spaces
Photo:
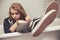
{"x":23,"y":27}
{"x":26,"y":27}
{"x":7,"y":24}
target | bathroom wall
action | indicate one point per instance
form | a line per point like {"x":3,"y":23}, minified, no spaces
{"x":59,"y":8}
{"x":34,"y":8}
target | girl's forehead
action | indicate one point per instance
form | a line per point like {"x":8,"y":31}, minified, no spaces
{"x":13,"y":10}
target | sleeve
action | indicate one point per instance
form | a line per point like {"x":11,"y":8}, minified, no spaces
{"x":6,"y":25}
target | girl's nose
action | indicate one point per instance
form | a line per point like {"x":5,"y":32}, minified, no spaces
{"x":14,"y":15}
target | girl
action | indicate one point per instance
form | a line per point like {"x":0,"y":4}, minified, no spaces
{"x":17,"y":15}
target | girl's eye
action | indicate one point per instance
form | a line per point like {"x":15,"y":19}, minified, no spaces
{"x":14,"y":13}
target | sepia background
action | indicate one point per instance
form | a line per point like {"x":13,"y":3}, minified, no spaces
{"x":34,"y":8}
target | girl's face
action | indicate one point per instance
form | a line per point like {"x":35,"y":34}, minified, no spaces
{"x":15,"y":14}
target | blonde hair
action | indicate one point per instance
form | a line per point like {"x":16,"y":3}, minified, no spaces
{"x":19,"y":8}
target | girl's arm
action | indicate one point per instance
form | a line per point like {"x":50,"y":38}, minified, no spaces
{"x":13,"y":27}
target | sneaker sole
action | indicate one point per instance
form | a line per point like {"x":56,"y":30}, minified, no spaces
{"x":45,"y":21}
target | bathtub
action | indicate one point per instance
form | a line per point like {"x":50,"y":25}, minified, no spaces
{"x":50,"y":33}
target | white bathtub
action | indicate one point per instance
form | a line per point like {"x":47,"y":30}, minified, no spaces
{"x":50,"y":33}
{"x":1,"y":29}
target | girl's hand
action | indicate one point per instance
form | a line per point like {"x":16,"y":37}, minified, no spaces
{"x":27,"y":18}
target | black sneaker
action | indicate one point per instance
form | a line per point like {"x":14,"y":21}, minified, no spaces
{"x":44,"y":22}
{"x":34,"y":22}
